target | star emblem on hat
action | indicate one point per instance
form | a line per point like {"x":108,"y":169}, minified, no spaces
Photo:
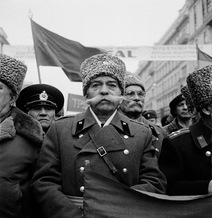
{"x":43,"y":96}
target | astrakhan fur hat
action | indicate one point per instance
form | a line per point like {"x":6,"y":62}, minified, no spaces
{"x":200,"y":86}
{"x":132,"y":79}
{"x":102,"y":65}
{"x":12,"y":73}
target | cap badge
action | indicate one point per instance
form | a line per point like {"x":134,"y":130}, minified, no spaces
{"x":43,"y":96}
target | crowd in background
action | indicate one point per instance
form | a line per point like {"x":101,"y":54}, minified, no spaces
{"x":43,"y":154}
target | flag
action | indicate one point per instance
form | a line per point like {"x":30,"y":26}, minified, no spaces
{"x":54,"y":50}
{"x":202,"y":56}
{"x":106,"y":198}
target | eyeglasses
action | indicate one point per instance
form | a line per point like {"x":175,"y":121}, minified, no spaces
{"x":132,"y":94}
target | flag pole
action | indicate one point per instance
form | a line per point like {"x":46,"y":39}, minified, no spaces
{"x":197,"y":48}
{"x":30,"y":15}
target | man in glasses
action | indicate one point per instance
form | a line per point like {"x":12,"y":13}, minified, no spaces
{"x":133,"y":106}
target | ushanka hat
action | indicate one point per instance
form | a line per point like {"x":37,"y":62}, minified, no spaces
{"x":40,"y":95}
{"x":200,"y":86}
{"x":185,"y":92}
{"x":132,"y":79}
{"x":102,"y":65}
{"x":12,"y":73}
{"x":173,"y":104}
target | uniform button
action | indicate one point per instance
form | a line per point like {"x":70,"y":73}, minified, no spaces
{"x":81,"y":135}
{"x":126,"y":136}
{"x":82,"y":188}
{"x":124,"y":170}
{"x":82,"y":169}
{"x":208,"y":153}
{"x":156,"y":149}
{"x":126,"y":152}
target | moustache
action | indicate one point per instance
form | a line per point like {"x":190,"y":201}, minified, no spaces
{"x":97,"y":99}
{"x":134,"y":103}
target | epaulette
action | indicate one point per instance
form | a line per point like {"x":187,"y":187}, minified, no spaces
{"x":65,"y":117}
{"x":178,"y":133}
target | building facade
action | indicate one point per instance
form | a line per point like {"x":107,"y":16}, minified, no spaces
{"x":163,"y":79}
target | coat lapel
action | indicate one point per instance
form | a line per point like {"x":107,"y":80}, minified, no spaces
{"x":123,"y":124}
{"x":88,"y":131}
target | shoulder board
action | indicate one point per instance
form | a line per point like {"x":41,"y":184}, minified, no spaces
{"x":65,"y":117}
{"x":178,"y":133}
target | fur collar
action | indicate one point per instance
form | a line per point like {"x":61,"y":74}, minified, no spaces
{"x":23,"y":125}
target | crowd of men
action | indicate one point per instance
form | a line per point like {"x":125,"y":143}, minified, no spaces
{"x":44,"y":154}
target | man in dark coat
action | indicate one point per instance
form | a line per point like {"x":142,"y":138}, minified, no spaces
{"x":42,"y":102}
{"x":179,"y":111}
{"x":20,"y":141}
{"x":186,"y":155}
{"x":133,"y":106}
{"x":113,"y":145}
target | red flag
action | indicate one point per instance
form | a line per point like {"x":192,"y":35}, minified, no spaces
{"x":54,"y":50}
{"x":106,"y":198}
{"x":202,"y":56}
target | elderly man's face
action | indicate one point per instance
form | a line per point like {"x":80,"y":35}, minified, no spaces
{"x":103,"y":92}
{"x":44,"y":114}
{"x":135,"y":100}
{"x":5,"y":99}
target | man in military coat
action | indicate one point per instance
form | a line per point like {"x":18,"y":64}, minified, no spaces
{"x":186,"y":154}
{"x":133,"y":106}
{"x":113,"y":145}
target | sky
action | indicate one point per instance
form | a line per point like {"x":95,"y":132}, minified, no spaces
{"x":93,"y":23}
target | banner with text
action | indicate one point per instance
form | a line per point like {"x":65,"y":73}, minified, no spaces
{"x":142,"y":53}
{"x":76,"y":103}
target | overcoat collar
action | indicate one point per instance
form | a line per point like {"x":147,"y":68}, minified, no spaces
{"x":201,"y":134}
{"x":24,"y":125}
{"x":85,"y":120}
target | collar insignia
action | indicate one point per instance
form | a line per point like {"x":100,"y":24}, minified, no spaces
{"x":43,"y":96}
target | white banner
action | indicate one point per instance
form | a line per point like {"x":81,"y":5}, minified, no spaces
{"x":156,"y":53}
{"x":143,"y":53}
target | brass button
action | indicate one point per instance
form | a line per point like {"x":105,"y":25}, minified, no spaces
{"x":82,"y":188}
{"x":208,"y":153}
{"x":80,"y":135}
{"x":124,"y":170}
{"x":82,"y":169}
{"x":156,"y":149}
{"x":126,"y":136}
{"x":126,"y":151}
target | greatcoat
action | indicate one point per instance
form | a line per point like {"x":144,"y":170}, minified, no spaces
{"x":70,"y":142}
{"x":20,"y":141}
{"x":186,"y":160}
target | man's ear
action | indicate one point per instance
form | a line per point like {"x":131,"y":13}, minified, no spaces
{"x":13,"y":99}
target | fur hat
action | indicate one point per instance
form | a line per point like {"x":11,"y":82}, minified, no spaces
{"x":12,"y":73}
{"x":185,"y":92}
{"x":173,"y":104}
{"x":200,"y":86}
{"x":40,"y":95}
{"x":102,"y":65}
{"x":132,"y":79}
